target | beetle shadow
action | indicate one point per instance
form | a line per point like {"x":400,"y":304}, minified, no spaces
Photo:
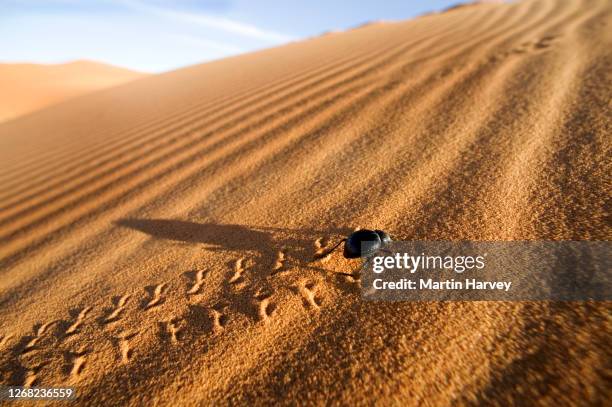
{"x":263,"y":240}
{"x":230,"y":237}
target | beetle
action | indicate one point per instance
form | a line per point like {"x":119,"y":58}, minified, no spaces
{"x":362,"y":243}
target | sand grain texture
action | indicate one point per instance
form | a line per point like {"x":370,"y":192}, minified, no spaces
{"x":157,"y":239}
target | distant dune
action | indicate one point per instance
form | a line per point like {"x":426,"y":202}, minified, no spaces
{"x":159,"y":240}
{"x":29,"y":87}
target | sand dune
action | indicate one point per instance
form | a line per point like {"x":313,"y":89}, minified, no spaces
{"x":30,"y":87}
{"x":157,"y":239}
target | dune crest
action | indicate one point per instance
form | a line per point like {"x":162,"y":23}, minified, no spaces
{"x":30,"y":87}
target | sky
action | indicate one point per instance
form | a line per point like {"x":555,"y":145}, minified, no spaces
{"x":161,"y":35}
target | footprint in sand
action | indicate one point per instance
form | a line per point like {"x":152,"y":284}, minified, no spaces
{"x":309,"y":299}
{"x":531,"y":46}
{"x":545,"y":42}
{"x":279,"y":263}
{"x":173,"y":329}
{"x":323,"y":249}
{"x":125,"y":350}
{"x":73,"y":329}
{"x":119,"y":308}
{"x":38,"y":334}
{"x":198,"y":282}
{"x":219,"y":318}
{"x":4,"y":340}
{"x":31,"y":375}
{"x":265,"y":307}
{"x":77,"y":360}
{"x":352,"y":278}
{"x":156,"y":294}
{"x":239,"y":269}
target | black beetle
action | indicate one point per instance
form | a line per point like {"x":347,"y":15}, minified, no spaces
{"x":362,"y":243}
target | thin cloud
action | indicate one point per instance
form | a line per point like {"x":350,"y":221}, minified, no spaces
{"x":216,"y":22}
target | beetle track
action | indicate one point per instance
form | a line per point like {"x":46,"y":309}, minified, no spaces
{"x":31,"y":345}
{"x":4,"y":339}
{"x":124,"y":346}
{"x":219,"y":320}
{"x":310,"y":299}
{"x":73,"y":329}
{"x":78,"y":363}
{"x":198,"y":282}
{"x":353,"y":279}
{"x":321,"y":243}
{"x":321,"y":246}
{"x":279,"y":263}
{"x":32,"y":375}
{"x":119,"y":308}
{"x":266,"y":309}
{"x":265,"y":306}
{"x":174,"y":330}
{"x":239,"y":269}
{"x":157,"y":298}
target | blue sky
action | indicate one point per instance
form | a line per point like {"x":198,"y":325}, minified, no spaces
{"x":160,"y":35}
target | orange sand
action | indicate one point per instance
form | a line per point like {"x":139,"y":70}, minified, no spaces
{"x":30,"y":87}
{"x":157,"y":239}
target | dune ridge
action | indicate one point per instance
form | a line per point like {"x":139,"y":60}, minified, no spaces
{"x":158,"y":240}
{"x":30,"y":87}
